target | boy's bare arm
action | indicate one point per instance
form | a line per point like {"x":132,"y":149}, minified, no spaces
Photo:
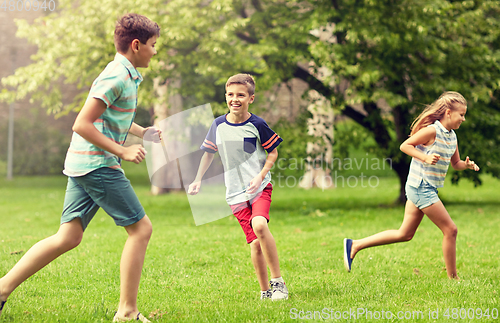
{"x":137,"y":130}
{"x":84,"y":126}
{"x":270,"y":160}
{"x":150,"y":133}
{"x":205,"y":162}
{"x":257,"y":180}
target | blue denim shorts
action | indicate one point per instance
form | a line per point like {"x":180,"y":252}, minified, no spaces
{"x":423,"y":196}
{"x":104,"y":187}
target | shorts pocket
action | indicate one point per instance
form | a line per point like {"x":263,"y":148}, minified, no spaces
{"x":250,"y":145}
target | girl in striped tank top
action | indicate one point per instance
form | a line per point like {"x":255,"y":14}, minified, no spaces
{"x":433,"y":146}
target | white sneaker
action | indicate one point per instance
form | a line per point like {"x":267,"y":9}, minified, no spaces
{"x":279,"y":291}
{"x":268,"y":294}
{"x":139,"y":318}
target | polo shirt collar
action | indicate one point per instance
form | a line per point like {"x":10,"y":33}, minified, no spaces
{"x":443,"y":129}
{"x":136,"y":76}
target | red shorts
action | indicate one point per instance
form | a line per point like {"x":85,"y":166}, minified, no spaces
{"x":246,"y":211}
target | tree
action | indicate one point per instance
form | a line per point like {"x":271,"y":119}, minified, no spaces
{"x":405,"y":53}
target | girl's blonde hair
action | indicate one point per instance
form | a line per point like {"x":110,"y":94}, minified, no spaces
{"x":435,"y":111}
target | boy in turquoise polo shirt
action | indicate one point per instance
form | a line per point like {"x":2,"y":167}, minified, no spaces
{"x":95,"y":177}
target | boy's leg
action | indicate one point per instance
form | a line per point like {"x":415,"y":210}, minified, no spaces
{"x":412,"y":218}
{"x":131,"y":265}
{"x":42,"y":253}
{"x":270,"y":252}
{"x":267,"y":244}
{"x":259,"y":219}
{"x":259,"y":263}
{"x":112,"y":191}
{"x":243,"y":212}
{"x":438,"y":214}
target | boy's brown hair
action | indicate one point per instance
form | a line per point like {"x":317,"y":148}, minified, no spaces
{"x":134,"y":26}
{"x":245,"y":79}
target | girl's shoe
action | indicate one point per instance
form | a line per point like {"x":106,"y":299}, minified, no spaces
{"x":139,"y":318}
{"x":347,"y":254}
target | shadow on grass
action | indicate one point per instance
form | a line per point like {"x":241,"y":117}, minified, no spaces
{"x":447,"y":202}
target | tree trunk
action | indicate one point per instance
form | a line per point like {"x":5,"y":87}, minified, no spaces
{"x":402,"y":126}
{"x":374,"y":123}
{"x":402,"y":168}
{"x":166,"y":178}
{"x":319,"y":149}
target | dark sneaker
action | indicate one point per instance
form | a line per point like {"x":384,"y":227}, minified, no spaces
{"x":347,"y":254}
{"x":2,"y":303}
{"x":268,"y":294}
{"x":279,"y":291}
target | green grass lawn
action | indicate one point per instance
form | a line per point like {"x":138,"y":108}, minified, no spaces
{"x":204,"y":273}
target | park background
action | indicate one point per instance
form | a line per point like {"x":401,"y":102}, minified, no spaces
{"x":338,"y":80}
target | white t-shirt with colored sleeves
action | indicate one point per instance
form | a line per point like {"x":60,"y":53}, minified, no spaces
{"x":242,"y":148}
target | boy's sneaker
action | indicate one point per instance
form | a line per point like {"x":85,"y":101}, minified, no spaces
{"x":268,"y":294}
{"x":2,"y":303}
{"x":279,"y":291}
{"x":139,"y":318}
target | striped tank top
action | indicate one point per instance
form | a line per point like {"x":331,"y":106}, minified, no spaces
{"x":445,"y":146}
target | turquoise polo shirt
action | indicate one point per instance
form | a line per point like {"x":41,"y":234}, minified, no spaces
{"x":117,"y":87}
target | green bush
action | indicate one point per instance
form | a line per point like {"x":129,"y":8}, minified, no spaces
{"x":292,"y":153}
{"x":38,"y":149}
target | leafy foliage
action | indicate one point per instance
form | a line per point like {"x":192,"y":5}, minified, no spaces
{"x":292,"y":157}
{"x":39,"y":150}
{"x":390,"y":58}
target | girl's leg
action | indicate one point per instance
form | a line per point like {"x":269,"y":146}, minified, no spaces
{"x":412,"y":218}
{"x":41,"y":254}
{"x":131,"y":266}
{"x":438,"y":214}
{"x":259,"y":263}
{"x":268,"y":245}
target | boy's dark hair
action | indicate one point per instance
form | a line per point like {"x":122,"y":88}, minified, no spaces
{"x":245,"y":79}
{"x":133,"y":26}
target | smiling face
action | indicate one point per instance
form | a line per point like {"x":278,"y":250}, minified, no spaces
{"x":144,"y":52}
{"x":456,"y":116}
{"x":238,"y":99}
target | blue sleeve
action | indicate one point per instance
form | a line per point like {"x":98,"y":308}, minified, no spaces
{"x":209,"y":145}
{"x":268,"y":138}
